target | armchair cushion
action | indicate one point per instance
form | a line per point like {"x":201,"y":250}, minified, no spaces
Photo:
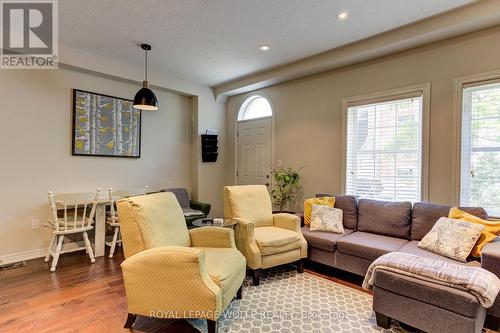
{"x":272,"y":240}
{"x":249,"y":202}
{"x":150,"y":221}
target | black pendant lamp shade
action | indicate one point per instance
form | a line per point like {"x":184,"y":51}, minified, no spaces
{"x":145,"y":99}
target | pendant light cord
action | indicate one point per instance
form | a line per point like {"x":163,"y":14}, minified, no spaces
{"x":146,"y":64}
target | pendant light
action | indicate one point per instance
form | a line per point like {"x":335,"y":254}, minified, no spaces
{"x":145,"y":98}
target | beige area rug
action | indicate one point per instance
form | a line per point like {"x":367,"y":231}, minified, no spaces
{"x":287,"y":302}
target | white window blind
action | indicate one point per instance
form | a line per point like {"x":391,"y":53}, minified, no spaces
{"x":384,"y":150}
{"x":480,"y":165}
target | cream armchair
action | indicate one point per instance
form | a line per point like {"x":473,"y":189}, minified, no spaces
{"x":266,"y":240}
{"x":170,"y":272}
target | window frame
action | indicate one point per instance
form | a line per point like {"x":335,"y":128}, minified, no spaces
{"x":459,"y":85}
{"x":423,"y":90}
{"x":246,"y":102}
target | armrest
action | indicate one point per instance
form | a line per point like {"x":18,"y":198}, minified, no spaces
{"x":490,"y":257}
{"x":171,"y":280}
{"x":204,"y":207}
{"x":212,"y":237}
{"x":246,"y":244}
{"x":287,"y":221}
{"x":291,"y":222}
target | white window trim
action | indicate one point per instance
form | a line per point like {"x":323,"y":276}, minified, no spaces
{"x":246,"y":101}
{"x":459,"y":84}
{"x":388,"y":95}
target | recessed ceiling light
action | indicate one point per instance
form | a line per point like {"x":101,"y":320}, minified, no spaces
{"x":342,"y":16}
{"x":264,"y":47}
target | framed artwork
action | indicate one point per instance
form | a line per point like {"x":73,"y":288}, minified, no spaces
{"x":105,"y":126}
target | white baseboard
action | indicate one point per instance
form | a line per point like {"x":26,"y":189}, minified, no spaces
{"x":22,"y":256}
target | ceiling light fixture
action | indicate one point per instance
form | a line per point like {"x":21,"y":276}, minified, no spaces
{"x":145,"y":99}
{"x":264,"y":48}
{"x":342,"y":16}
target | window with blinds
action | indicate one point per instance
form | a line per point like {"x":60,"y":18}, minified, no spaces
{"x":480,"y":153}
{"x":384,"y":150}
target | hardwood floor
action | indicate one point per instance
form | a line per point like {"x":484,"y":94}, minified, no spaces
{"x":78,"y":297}
{"x":85,"y":297}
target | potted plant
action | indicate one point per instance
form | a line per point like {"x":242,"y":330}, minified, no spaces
{"x":286,"y":185}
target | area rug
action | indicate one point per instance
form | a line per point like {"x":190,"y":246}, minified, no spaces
{"x":287,"y":302}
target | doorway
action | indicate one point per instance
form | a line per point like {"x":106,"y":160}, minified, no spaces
{"x":254,"y":137}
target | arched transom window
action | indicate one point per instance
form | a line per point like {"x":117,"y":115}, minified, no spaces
{"x":255,"y":107}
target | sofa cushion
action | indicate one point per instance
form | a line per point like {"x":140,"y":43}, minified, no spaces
{"x":385,"y":217}
{"x":322,"y":239}
{"x":349,"y":206}
{"x":369,"y":246}
{"x":452,"y":299}
{"x":272,"y":240}
{"x":181,"y":194}
{"x":425,"y":215}
{"x":412,"y":248}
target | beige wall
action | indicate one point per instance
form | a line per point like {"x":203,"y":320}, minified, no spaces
{"x":35,"y":140}
{"x":308,"y":111}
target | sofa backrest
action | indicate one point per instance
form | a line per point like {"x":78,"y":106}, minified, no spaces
{"x":349,"y":206}
{"x":384,"y":217}
{"x":150,"y":221}
{"x":181,"y":194}
{"x":425,"y":215}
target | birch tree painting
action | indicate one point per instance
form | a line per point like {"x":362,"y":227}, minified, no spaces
{"x":105,"y":126}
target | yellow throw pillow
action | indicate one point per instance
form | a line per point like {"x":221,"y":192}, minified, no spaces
{"x":308,"y":203}
{"x":489,"y":233}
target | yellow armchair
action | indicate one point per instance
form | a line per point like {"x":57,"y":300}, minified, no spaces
{"x":265,"y":239}
{"x":170,"y":272}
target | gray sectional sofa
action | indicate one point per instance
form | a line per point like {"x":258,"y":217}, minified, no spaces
{"x":373,"y":228}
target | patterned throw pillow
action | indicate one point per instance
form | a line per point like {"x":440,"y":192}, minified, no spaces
{"x":490,"y":232}
{"x":452,"y":238}
{"x":326,"y":218}
{"x":308,"y":203}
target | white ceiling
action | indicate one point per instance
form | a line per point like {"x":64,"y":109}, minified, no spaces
{"x":215,"y":41}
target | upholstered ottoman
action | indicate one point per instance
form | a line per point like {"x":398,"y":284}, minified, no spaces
{"x":425,"y":305}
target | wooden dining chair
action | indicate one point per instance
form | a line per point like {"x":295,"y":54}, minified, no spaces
{"x":78,"y":211}
{"x":112,"y":219}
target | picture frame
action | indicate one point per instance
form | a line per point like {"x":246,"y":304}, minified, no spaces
{"x":105,"y":126}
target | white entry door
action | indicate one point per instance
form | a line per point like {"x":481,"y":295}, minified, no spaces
{"x":254,"y":152}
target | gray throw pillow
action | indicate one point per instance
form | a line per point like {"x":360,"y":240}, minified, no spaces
{"x":452,"y":238}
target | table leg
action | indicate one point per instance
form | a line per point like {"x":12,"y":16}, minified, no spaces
{"x":100,"y":230}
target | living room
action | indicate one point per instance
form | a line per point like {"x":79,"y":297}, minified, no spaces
{"x":329,"y":153}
